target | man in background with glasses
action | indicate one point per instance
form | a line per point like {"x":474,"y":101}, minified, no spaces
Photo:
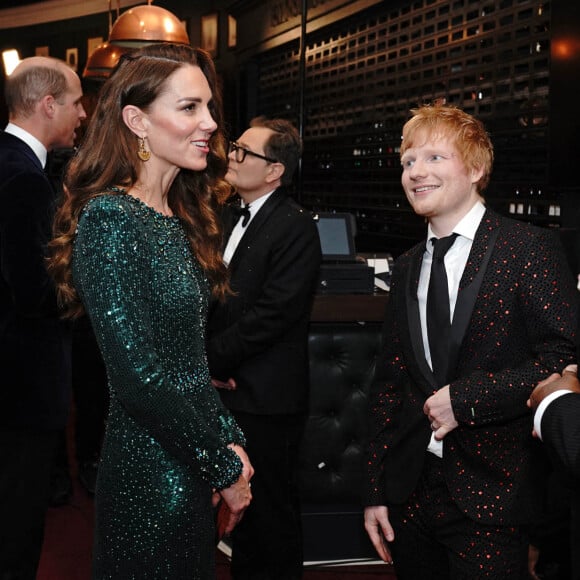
{"x":258,"y":341}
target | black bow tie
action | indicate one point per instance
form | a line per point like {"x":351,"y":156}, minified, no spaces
{"x":243,"y":212}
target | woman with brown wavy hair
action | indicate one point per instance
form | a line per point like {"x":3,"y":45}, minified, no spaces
{"x":137,"y":246}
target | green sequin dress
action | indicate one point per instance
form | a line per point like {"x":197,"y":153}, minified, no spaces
{"x":165,"y":445}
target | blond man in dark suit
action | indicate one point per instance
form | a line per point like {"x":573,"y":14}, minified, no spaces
{"x":43,"y":96}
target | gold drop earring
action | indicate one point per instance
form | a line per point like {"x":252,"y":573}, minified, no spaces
{"x":143,"y":152}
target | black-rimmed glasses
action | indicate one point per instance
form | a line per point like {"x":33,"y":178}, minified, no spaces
{"x":241,"y":152}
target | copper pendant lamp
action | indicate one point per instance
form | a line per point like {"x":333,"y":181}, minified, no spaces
{"x":148,"y":23}
{"x":134,"y":28}
{"x":103,"y":60}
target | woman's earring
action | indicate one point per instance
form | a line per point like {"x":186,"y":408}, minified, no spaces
{"x":143,"y":152}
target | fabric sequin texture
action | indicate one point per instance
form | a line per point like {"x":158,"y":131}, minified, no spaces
{"x":167,"y":433}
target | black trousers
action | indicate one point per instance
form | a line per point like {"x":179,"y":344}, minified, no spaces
{"x":575,"y":535}
{"x":435,"y":540}
{"x":267,"y":543}
{"x":26,"y":458}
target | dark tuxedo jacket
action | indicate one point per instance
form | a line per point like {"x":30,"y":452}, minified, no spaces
{"x":259,"y":336}
{"x":34,"y":342}
{"x":514,"y":324}
{"x":561,"y":435}
{"x":561,"y":431}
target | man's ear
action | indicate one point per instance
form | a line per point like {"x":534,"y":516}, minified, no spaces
{"x":135,"y":119}
{"x":275,"y":172}
{"x":477,"y":174}
{"x":48,"y":106}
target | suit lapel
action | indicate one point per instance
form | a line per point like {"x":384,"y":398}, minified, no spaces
{"x":255,"y":226}
{"x":470,"y":284}
{"x":413,"y":316}
{"x":228,"y":220}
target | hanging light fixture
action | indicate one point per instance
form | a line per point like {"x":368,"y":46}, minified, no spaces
{"x":137,"y":27}
{"x":103,"y":60}
{"x":144,"y":24}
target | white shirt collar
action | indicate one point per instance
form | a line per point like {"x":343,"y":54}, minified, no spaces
{"x":38,"y":148}
{"x":258,"y":203}
{"x":239,"y":230}
{"x":467,"y":226}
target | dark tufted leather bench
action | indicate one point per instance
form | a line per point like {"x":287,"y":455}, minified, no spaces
{"x":331,"y":470}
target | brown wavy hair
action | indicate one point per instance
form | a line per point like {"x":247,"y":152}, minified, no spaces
{"x":108,"y":158}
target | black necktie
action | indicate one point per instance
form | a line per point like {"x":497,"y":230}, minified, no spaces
{"x":438,"y":316}
{"x":243,"y":211}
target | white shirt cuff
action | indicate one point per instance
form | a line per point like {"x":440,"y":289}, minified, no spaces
{"x":435,"y":447}
{"x":542,"y":407}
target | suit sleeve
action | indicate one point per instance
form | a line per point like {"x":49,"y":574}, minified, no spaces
{"x":535,"y":322}
{"x":561,"y":431}
{"x":284,"y":296}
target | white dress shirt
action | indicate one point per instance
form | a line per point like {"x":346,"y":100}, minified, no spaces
{"x":239,"y":230}
{"x":455,"y":260}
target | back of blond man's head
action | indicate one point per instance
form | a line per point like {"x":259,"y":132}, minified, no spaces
{"x":32,"y":80}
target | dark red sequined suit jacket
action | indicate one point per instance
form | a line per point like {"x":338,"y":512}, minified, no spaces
{"x":514,"y":324}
